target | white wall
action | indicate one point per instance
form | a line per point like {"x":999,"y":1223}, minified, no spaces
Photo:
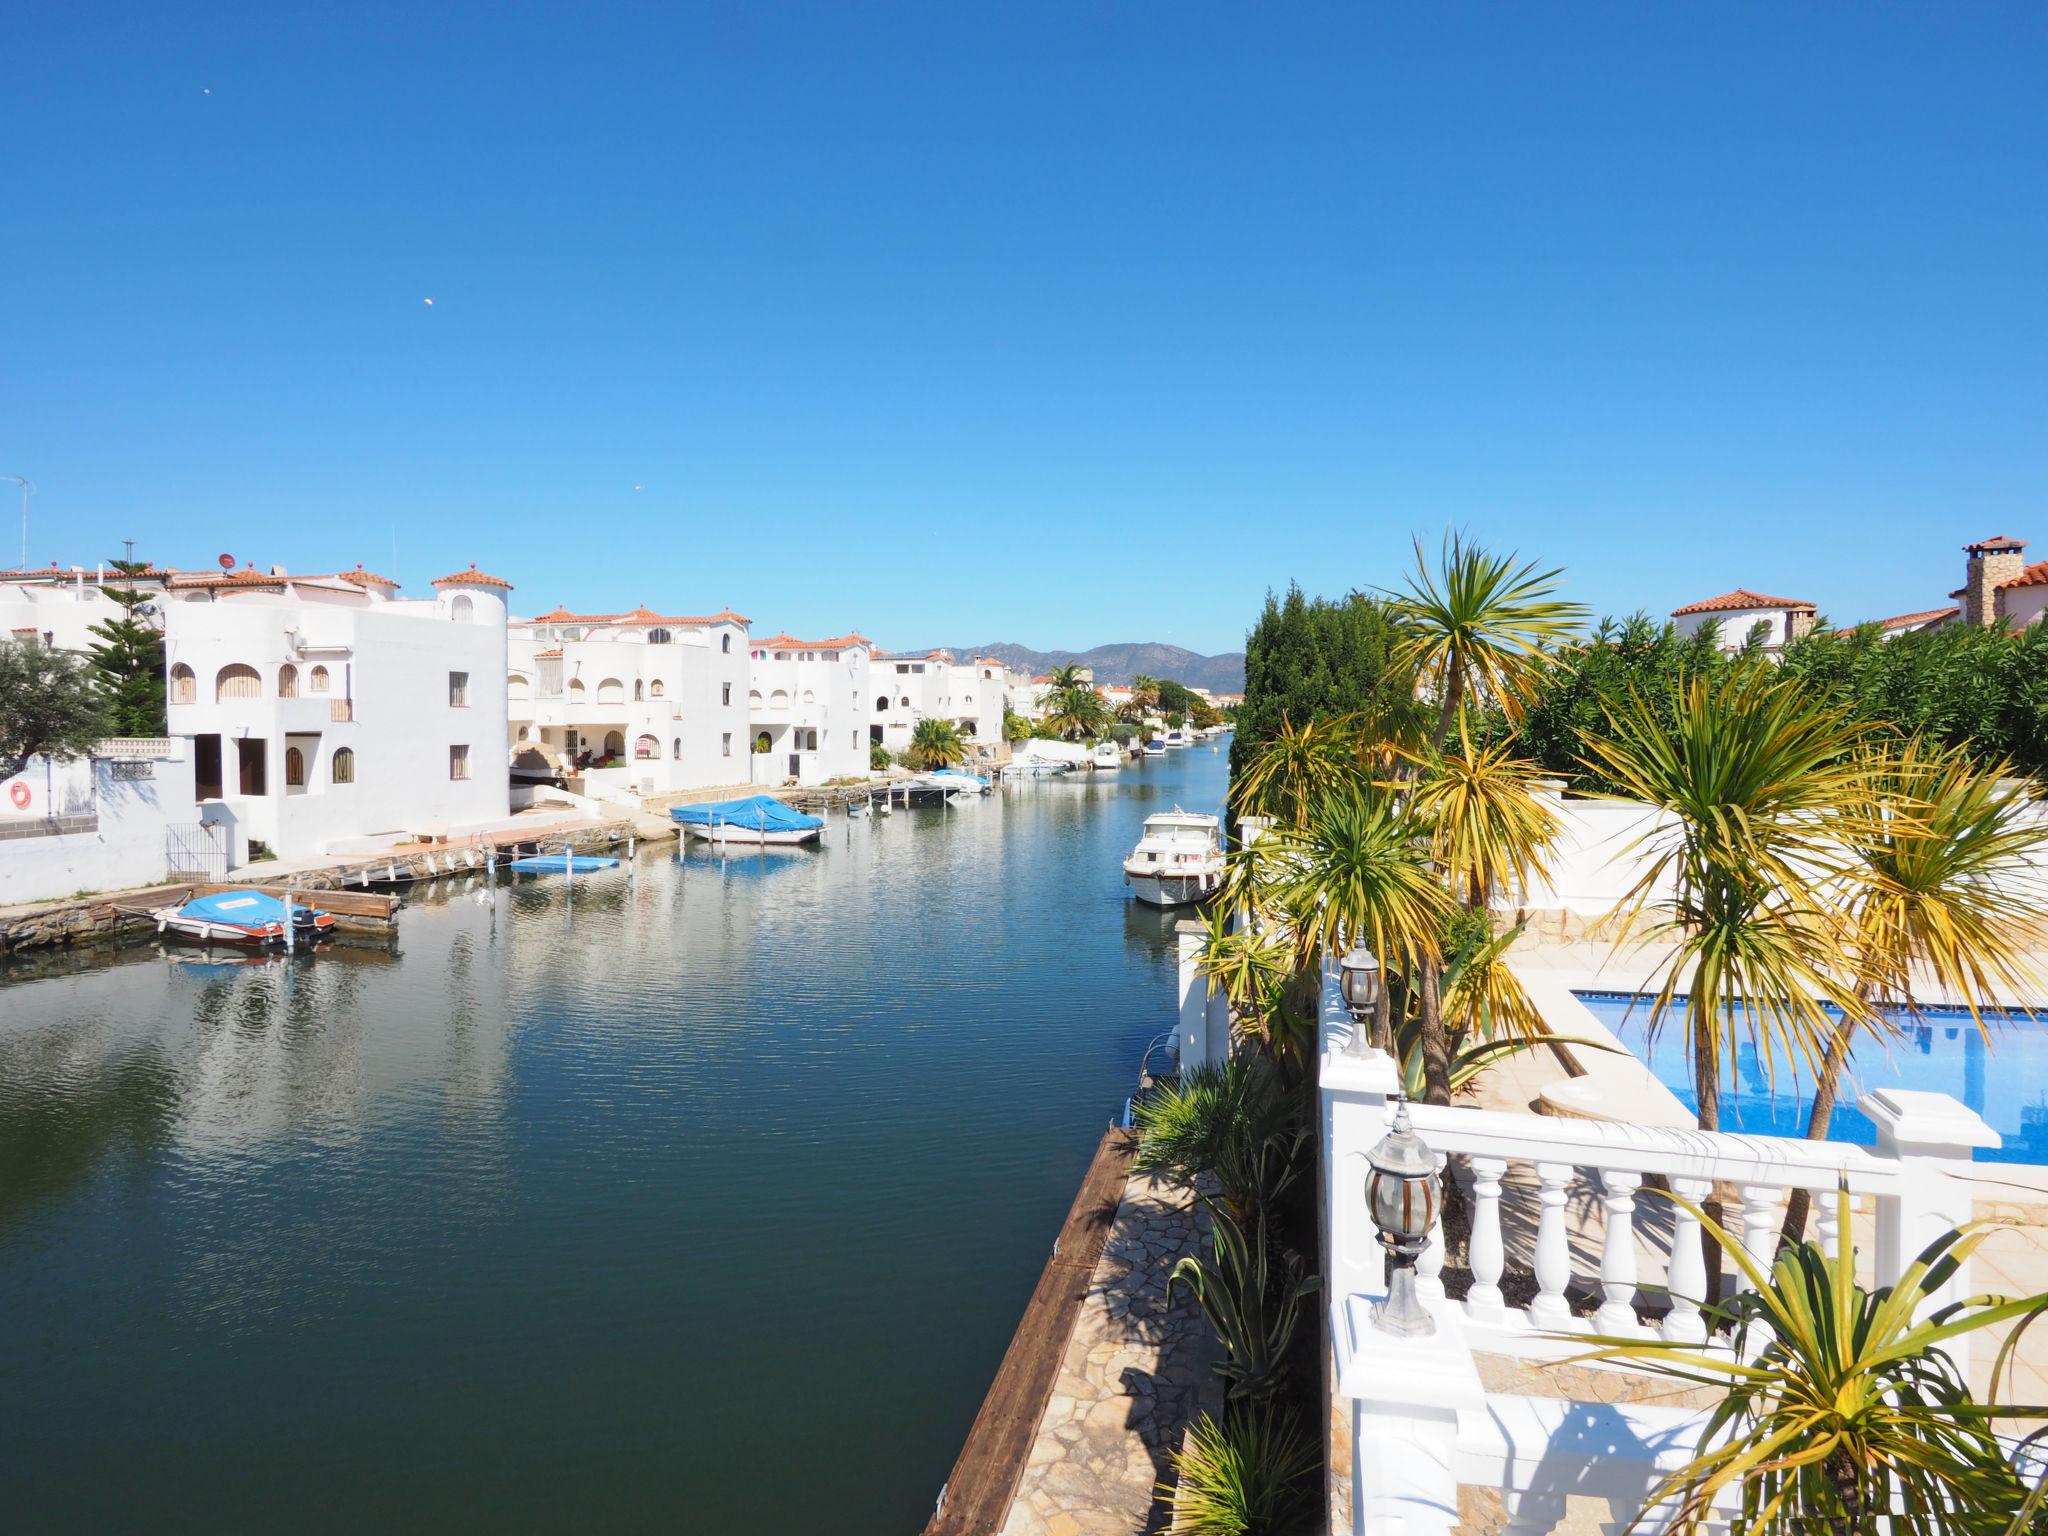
{"x":388,"y":665}
{"x":1736,"y":623}
{"x":128,"y":848}
{"x":698,"y":722}
{"x":814,"y":711}
{"x":1599,"y":856}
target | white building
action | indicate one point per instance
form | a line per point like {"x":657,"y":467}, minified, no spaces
{"x":807,"y":708}
{"x":108,"y":822}
{"x":1737,"y":613}
{"x":57,"y":607}
{"x":327,"y":714}
{"x":639,"y":702}
{"x":907,"y":689}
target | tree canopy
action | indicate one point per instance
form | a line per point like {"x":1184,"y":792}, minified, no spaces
{"x":51,"y":705}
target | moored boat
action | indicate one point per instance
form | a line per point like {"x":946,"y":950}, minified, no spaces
{"x":240,"y":917}
{"x":562,"y":864}
{"x":1107,"y":758}
{"x":1178,"y":861}
{"x":1154,"y":747}
{"x":755,"y":819}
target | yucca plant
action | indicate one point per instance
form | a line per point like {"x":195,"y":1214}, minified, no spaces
{"x":1490,"y":831}
{"x":1480,"y":625}
{"x":1254,"y":1304}
{"x":1232,"y":1120}
{"x":1285,"y":777}
{"x":1251,"y":1475}
{"x":1252,"y":967}
{"x":1844,"y":1411}
{"x":1945,"y":885}
{"x":936,"y":743}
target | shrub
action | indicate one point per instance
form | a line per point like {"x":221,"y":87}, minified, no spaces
{"x":1254,"y":1307}
{"x":1251,"y":1475}
{"x":878,"y":757}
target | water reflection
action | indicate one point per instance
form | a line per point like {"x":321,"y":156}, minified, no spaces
{"x":575,"y":1208}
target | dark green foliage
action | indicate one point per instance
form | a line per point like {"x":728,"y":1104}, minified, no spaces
{"x":50,"y":705}
{"x":1253,"y":1298}
{"x":1964,"y":685}
{"x":1175,"y":699}
{"x":878,"y":757}
{"x":130,"y":661}
{"x":1572,"y":700}
{"x":1318,"y":659}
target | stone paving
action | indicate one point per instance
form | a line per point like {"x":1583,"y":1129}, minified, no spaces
{"x":1135,"y":1375}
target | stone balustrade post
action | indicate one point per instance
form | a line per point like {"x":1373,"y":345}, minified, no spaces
{"x":1196,"y":1029}
{"x":1925,"y":1133}
{"x":1617,"y":1312}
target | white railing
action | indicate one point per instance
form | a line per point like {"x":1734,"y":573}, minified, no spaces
{"x":1570,"y":1204}
{"x":140,"y":748}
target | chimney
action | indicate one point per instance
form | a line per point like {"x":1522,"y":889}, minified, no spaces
{"x":1991,"y":563}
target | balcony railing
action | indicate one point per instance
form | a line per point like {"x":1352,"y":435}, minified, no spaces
{"x":134,"y":748}
{"x":341,"y":709}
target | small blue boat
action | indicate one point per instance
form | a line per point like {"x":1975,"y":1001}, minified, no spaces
{"x":960,"y":780}
{"x":756,"y":819}
{"x":562,"y":864}
{"x":240,"y":917}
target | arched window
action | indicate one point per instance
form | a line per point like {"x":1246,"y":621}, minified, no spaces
{"x":294,"y":768}
{"x":810,"y":697}
{"x":761,"y":742}
{"x":575,"y":690}
{"x":779,"y":699}
{"x":646,"y":747}
{"x":679,"y":749}
{"x":184,"y":687}
{"x":522,"y":733}
{"x":237,"y":681}
{"x":639,"y":691}
{"x":904,"y":702}
{"x":461,"y":609}
{"x":614,"y":744}
{"x":317,"y":680}
{"x":725,"y":644}
{"x":660,"y":637}
{"x":344,"y":765}
{"x":753,"y":698}
{"x":966,"y":700}
{"x":517,"y":687}
{"x":882,"y":705}
{"x":611,"y":691}
{"x":287,"y":681}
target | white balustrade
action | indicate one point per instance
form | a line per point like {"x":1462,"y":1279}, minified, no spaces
{"x":1686,"y":1280}
{"x":1486,"y":1255}
{"x":1553,"y":1247}
{"x":1617,"y":1312}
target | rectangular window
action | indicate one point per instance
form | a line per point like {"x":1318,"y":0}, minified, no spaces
{"x":728,"y":743}
{"x":458,"y":762}
{"x":725,"y":694}
{"x":251,"y":754}
{"x":458,"y":690}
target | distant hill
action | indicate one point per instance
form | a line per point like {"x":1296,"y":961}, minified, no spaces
{"x":1120,"y":663}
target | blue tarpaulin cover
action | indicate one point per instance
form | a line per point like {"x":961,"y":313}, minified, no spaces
{"x":764,"y":813}
{"x":251,"y":909}
{"x":561,"y":864}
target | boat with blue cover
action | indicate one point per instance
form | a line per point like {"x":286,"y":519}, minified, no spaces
{"x":561,"y":864}
{"x":755,"y":819}
{"x":240,"y":917}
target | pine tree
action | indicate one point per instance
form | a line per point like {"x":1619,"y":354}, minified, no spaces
{"x":130,"y":660}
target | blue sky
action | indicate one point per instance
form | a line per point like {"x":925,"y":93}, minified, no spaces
{"x":1061,"y":324}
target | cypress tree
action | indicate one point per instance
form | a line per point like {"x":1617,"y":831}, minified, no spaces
{"x":130,"y":660}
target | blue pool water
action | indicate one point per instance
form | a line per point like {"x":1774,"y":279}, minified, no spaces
{"x":1939,"y":1050}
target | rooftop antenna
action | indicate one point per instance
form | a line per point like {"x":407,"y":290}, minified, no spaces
{"x":26,"y":485}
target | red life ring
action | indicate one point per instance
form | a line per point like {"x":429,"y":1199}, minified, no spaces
{"x":19,"y":795}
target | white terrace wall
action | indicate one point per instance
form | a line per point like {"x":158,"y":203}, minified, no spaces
{"x":1602,"y":851}
{"x":106,"y":827}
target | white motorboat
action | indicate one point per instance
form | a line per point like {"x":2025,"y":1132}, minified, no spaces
{"x":1178,"y":861}
{"x":1035,"y":768}
{"x":1154,"y":747}
{"x":1107,"y":758}
{"x":1177,"y":737}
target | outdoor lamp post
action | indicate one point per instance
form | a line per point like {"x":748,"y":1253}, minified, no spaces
{"x":1402,"y":1193}
{"x":1358,"y":973}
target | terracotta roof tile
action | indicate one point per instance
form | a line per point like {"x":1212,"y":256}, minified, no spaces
{"x":1740,"y":598}
{"x":2035,"y":575}
{"x":1913,"y":620}
{"x":834,"y":643}
{"x":553,"y":655}
{"x":1993,"y":545}
{"x":363,"y":578}
{"x":471,"y":578}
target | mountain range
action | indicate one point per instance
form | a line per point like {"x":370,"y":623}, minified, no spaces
{"x":1120,"y":663}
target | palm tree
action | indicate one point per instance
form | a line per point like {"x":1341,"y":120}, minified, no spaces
{"x":1480,"y":625}
{"x":1357,"y":871}
{"x":1944,"y":884}
{"x":936,"y":744}
{"x":1762,"y":791}
{"x":1287,"y":775}
{"x":1491,"y":831}
{"x":1072,"y":707}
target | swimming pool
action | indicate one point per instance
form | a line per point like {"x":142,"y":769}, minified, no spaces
{"x":1940,"y":1051}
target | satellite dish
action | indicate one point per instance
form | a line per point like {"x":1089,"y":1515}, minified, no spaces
{"x":227,"y":562}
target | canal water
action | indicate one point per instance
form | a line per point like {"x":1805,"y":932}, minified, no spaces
{"x":705,"y":1200}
